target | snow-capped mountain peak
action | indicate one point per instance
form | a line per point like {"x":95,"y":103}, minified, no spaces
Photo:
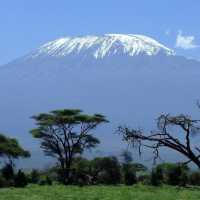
{"x":101,"y":46}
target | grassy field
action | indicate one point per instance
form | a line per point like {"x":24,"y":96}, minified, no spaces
{"x":137,"y":192}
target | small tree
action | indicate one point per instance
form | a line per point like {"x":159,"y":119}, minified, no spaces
{"x":65,"y":134}
{"x":11,"y":149}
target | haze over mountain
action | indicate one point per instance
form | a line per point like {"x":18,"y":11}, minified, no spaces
{"x":129,"y":78}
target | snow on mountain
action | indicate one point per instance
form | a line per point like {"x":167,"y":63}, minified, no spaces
{"x":102,"y":46}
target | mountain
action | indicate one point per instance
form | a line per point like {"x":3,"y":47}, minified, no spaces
{"x":129,"y":78}
{"x":103,"y":46}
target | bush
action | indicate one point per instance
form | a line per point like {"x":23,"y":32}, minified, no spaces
{"x":8,"y":172}
{"x":106,"y":170}
{"x":20,"y":179}
{"x":177,"y":175}
{"x":34,"y":176}
{"x":129,"y":174}
{"x":183,"y":181}
{"x":156,"y":177}
{"x":81,"y":172}
{"x":194,"y":178}
{"x":144,"y":179}
{"x":4,"y":182}
{"x":130,"y":178}
{"x":46,"y":181}
{"x":172,"y":174}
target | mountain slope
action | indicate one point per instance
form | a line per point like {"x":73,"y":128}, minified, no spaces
{"x":129,"y":78}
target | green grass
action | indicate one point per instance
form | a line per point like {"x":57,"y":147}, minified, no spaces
{"x":137,"y":192}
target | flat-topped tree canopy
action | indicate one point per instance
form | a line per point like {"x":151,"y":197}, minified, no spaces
{"x":66,"y":133}
{"x":9,"y":147}
{"x":67,"y":116}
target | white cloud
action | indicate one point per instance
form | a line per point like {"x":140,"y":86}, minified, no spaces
{"x":185,"y":42}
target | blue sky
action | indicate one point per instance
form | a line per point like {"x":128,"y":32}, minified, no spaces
{"x":24,"y":25}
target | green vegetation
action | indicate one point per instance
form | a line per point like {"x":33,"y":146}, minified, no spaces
{"x":137,"y":192}
{"x":11,"y":149}
{"x":173,"y":132}
{"x":66,"y":134}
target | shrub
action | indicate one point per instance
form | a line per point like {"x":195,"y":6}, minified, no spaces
{"x":81,"y":171}
{"x":42,"y":182}
{"x":46,"y":181}
{"x":144,"y":179}
{"x":20,"y":179}
{"x":34,"y":176}
{"x":129,"y":174}
{"x":106,"y":170}
{"x":8,"y":172}
{"x":156,"y":177}
{"x":183,"y":181}
{"x":4,"y":182}
{"x":172,"y":174}
{"x":177,"y":175}
{"x":130,"y":178}
{"x":194,"y":178}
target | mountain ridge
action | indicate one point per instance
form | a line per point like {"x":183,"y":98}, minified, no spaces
{"x":101,"y":46}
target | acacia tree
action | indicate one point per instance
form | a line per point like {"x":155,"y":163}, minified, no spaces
{"x":11,"y":149}
{"x":65,"y":134}
{"x":174,"y":132}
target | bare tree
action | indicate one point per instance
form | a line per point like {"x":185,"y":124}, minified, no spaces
{"x":166,"y":136}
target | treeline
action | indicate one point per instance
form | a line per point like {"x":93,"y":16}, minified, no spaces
{"x":103,"y":170}
{"x":66,"y":134}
